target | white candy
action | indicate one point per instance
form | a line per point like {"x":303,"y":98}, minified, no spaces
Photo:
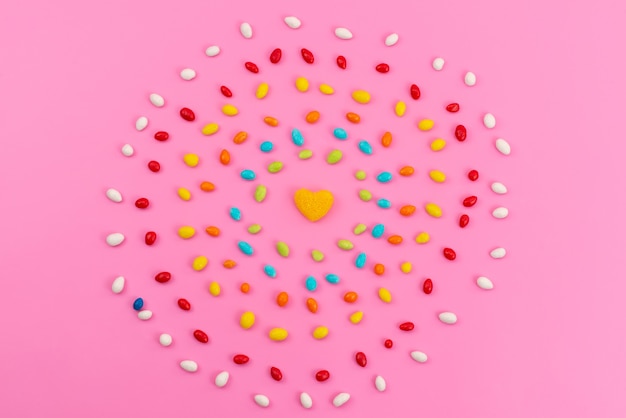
{"x":144,"y":315}
{"x":188,"y":74}
{"x":484,"y":283}
{"x":392,"y":39}
{"x":305,"y":400}
{"x":118,"y":284}
{"x":438,"y":64}
{"x":293,"y":22}
{"x":246,"y":30}
{"x":498,"y":188}
{"x":212,"y":51}
{"x":380,"y":384}
{"x":141,"y":123}
{"x":115,"y":239}
{"x":448,"y":318}
{"x":419,"y":356}
{"x":189,"y":366}
{"x":503,"y":146}
{"x":114,"y":195}
{"x":498,"y":253}
{"x":470,"y":79}
{"x":165,"y":340}
{"x":489,"y":121}
{"x":221,"y":379}
{"x":343,"y":33}
{"x":262,"y":400}
{"x":500,"y":213}
{"x":157,"y":100}
{"x":340,"y":399}
{"x":127,"y":150}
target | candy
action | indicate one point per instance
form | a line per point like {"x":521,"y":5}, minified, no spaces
{"x":406,"y":267}
{"x":235,"y":214}
{"x":254,"y":229}
{"x":382,"y":68}
{"x":460,"y":133}
{"x":380,"y":384}
{"x":365,"y":195}
{"x":498,"y":188}
{"x":306,"y":401}
{"x":150,"y":237}
{"x":191,"y":160}
{"x":343,"y":33}
{"x":224,"y":157}
{"x":400,"y":108}
{"x":345,"y":244}
{"x":359,"y":229}
{"x":500,"y":213}
{"x":144,"y":315}
{"x":391,"y":39}
{"x":184,"y":194}
{"x":262,"y":400}
{"x":229,"y":110}
{"x":210,"y":129}
{"x":307,"y":56}
{"x":276,"y":55}
{"x":161,"y":136}
{"x":472,"y":175}
{"x":503,"y":147}
{"x":427,"y":287}
{"x":425,"y":124}
{"x":118,"y":284}
{"x":353,"y":117}
{"x":365,"y":147}
{"x":276,"y":374}
{"x":269,"y":271}
{"x":448,"y":318}
{"x":438,"y":64}
{"x":360,"y":260}
{"x":313,"y":116}
{"x":163,"y":277}
{"x":498,"y":253}
{"x":422,"y":238}
{"x":262,"y":90}
{"x":419,"y":356}
{"x":438,"y":144}
{"x":189,"y":366}
{"x":213,"y":231}
{"x":332,"y":278}
{"x":141,"y":123}
{"x":340,"y":133}
{"x":313,"y":205}
{"x":406,"y":171}
{"x":240,"y":359}
{"x":383,"y":203}
{"x":311,"y":305}
{"x":282,"y":299}
{"x":489,"y":121}
{"x":378,"y":230}
{"x":470,"y":201}
{"x":326,"y":89}
{"x":245,"y":248}
{"x":302,"y":84}
{"x":157,"y":100}
{"x":201,"y":336}
{"x":388,"y":343}
{"x":293,"y":22}
{"x":384,"y":295}
{"x":407,"y":210}
{"x":247,"y":319}
{"x":275,"y":167}
{"x":449,"y":253}
{"x":229,"y":264}
{"x":360,"y":359}
{"x":334,"y":156}
{"x":165,"y":340}
{"x":226,"y":91}
{"x":186,"y":232}
{"x":296,"y":137}
{"x":246,"y":30}
{"x":215,"y":289}
{"x":469,"y":79}
{"x":273,"y":122}
{"x":361,"y":96}
{"x":415,"y":92}
{"x":305,"y":154}
{"x":114,"y":195}
{"x":394,"y":240}
{"x":322,"y":375}
{"x":464,"y":220}
{"x":266,"y":146}
{"x":317,"y":255}
{"x":212,"y":51}
{"x":278,"y":334}
{"x":406,"y":326}
{"x":453,"y":107}
{"x":320,"y":333}
{"x":310,"y":283}
{"x":260,"y":192}
{"x":360,"y":175}
{"x":282,"y":249}
{"x":379,"y":269}
{"x":356,"y":317}
{"x":127,"y":150}
{"x":184,"y":304}
{"x":350,"y":297}
{"x":115,"y":239}
{"x":187,"y":114}
{"x":138,"y":304}
{"x":437,"y":176}
{"x":341,"y":62}
{"x":221,"y":379}
{"x":384,"y":177}
{"x":188,"y":74}
{"x":240,"y":137}
{"x":252,"y":67}
{"x":433,"y":210}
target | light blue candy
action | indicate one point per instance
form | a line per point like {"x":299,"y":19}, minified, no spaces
{"x":384,"y":177}
{"x":332,"y":278}
{"x":383,"y":203}
{"x":360,"y":260}
{"x":366,"y":148}
{"x":266,"y":146}
{"x":296,"y":137}
{"x":378,"y":230}
{"x":138,"y":304}
{"x":235,"y":213}
{"x":340,"y":133}
{"x":248,"y":175}
{"x":310,"y":283}
{"x":245,"y":248}
{"x":270,"y":271}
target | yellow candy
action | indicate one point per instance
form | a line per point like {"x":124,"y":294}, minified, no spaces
{"x":278,"y":334}
{"x":186,"y":232}
{"x":425,"y":125}
{"x":247,"y":320}
{"x":210,"y":128}
{"x":438,"y":144}
{"x":199,"y":263}
{"x":313,"y":205}
{"x":184,"y":193}
{"x":384,"y":295}
{"x":191,"y":160}
{"x":302,"y":84}
{"x":437,"y":176}
{"x":229,"y":110}
{"x":320,"y":333}
{"x":356,"y":317}
{"x":326,"y":89}
{"x":262,"y":90}
{"x":422,"y":238}
{"x":433,"y":210}
{"x":361,"y":96}
{"x":406,"y":267}
{"x":400,"y":108}
{"x":215,"y":289}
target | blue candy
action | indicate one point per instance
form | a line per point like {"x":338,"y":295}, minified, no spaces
{"x":235,"y":213}
{"x":332,"y":278}
{"x":383,"y":203}
{"x":248,"y":175}
{"x":378,"y":230}
{"x":296,"y":137}
{"x":310,"y":283}
{"x":266,"y":146}
{"x":384,"y":177}
{"x":138,"y":304}
{"x":340,"y":133}
{"x":366,"y":148}
{"x":245,"y":248}
{"x":360,"y":260}
{"x":270,"y":271}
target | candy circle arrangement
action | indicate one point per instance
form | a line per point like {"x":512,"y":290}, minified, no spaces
{"x":313,"y":206}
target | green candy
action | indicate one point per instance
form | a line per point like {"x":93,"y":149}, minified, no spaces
{"x":282,"y":248}
{"x":365,"y":195}
{"x":275,"y":167}
{"x":359,"y":229}
{"x":305,"y":154}
{"x":254,"y":228}
{"x":260,"y":193}
{"x":334,"y":157}
{"x":317,"y":255}
{"x":344,"y":244}
{"x":360,"y":175}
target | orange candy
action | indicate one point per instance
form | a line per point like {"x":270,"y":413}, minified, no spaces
{"x":379,"y":269}
{"x":229,"y":264}
{"x":282,"y":299}
{"x":395,"y":239}
{"x":245,"y":288}
{"x":225,"y":157}
{"x":213,"y":231}
{"x":240,"y":138}
{"x":407,"y":210}
{"x":207,"y":186}
{"x":386,"y":139}
{"x":353,"y":117}
{"x":407,"y":170}
{"x":350,"y":297}
{"x":313,"y":116}
{"x":271,"y":121}
{"x":311,"y":304}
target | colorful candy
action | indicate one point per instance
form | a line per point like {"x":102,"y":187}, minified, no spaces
{"x":245,"y":248}
{"x":379,"y":269}
{"x":359,"y":229}
{"x":262,"y":90}
{"x":383,"y":203}
{"x":334,"y":156}
{"x":384,"y":295}
{"x":317,"y":255}
{"x":226,"y":91}
{"x":186,"y":232}
{"x":406,"y":171}
{"x":341,"y":62}
{"x":305,"y":154}
{"x":360,"y":359}
{"x":350,"y":297}
{"x":427,"y":287}
{"x":282,"y":299}
{"x":322,"y":375}
{"x":453,"y":107}
{"x":406,"y":267}
{"x":433,"y":210}
{"x":320,"y":333}
{"x":187,"y":114}
{"x":254,"y":229}
{"x":302,"y":84}
{"x":470,"y":201}
{"x":345,"y":244}
{"x":382,"y":68}
{"x":311,"y":305}
{"x":270,"y":121}
{"x":215,"y":289}
{"x":201,"y":336}
{"x":472,"y":175}
{"x":353,"y":117}
{"x":270,"y":271}
{"x":313,"y":116}
{"x":326,"y":89}
{"x":356,"y":317}
{"x":407,"y":210}
{"x":296,"y":137}
{"x":240,"y":359}
{"x":415,"y":92}
{"x":460,"y":133}
{"x":247,"y":318}
{"x":260,"y":193}
{"x":378,"y":230}
{"x":184,"y":304}
{"x":361,"y":96}
{"x":150,"y":237}
{"x":163,"y":277}
{"x":310,"y":283}
{"x":161,"y":136}
{"x":384,"y":177}
{"x":307,"y":56}
{"x":252,"y":67}
{"x":340,"y":133}
{"x":266,"y":146}
{"x":332,"y":278}
{"x":278,"y":334}
{"x":464,"y":220}
{"x":360,"y":260}
{"x":276,"y":55}
{"x":437,"y":176}
{"x":235,"y":214}
{"x":406,"y":326}
{"x":394,"y":240}
{"x":275,"y":167}
{"x":388,"y":343}
{"x":438,"y":144}
{"x":422,"y":238}
{"x":366,"y":147}
{"x":210,"y":129}
{"x":248,"y":175}
{"x":138,"y":304}
{"x":276,"y":374}
{"x":365,"y":195}
{"x":449,"y":253}
{"x":386,"y":139}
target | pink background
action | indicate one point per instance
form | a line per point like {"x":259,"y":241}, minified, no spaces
{"x":548,"y":341}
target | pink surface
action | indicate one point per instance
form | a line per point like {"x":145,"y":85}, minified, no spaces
{"x":548,"y":341}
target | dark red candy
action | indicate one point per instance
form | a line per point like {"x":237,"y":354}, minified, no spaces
{"x":307,"y":56}
{"x":388,"y":343}
{"x":449,"y":253}
{"x":142,"y":203}
{"x":407,"y":326}
{"x":161,"y":136}
{"x":241,"y":359}
{"x":276,"y":55}
{"x":322,"y":375}
{"x":151,"y":237}
{"x":470,"y":201}
{"x":427,"y":287}
{"x":187,"y":114}
{"x":154,"y":166}
{"x":341,"y":62}
{"x":276,"y":374}
{"x":382,"y":68}
{"x":226,"y":91}
{"x":252,"y":67}
{"x":453,"y":107}
{"x":415,"y":92}
{"x":463,"y":221}
{"x":201,"y":336}
{"x":472,"y":175}
{"x":460,"y":133}
{"x":163,"y":277}
{"x":184,"y":304}
{"x":360,"y":358}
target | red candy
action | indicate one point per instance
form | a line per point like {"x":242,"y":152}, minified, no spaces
{"x":241,"y":359}
{"x":341,"y":62}
{"x":415,"y":92}
{"x":407,"y":326}
{"x":187,"y":114}
{"x":163,"y":277}
{"x":460,"y":133}
{"x":276,"y":55}
{"x":151,"y":237}
{"x":463,"y":221}
{"x":142,"y":203}
{"x":154,"y":166}
{"x":382,"y":68}
{"x":250,"y":66}
{"x":184,"y":304}
{"x":427,"y":287}
{"x":161,"y":136}
{"x":449,"y":253}
{"x":276,"y":374}
{"x":322,"y":375}
{"x":453,"y":107}
{"x":470,"y":201}
{"x":201,"y":336}
{"x":472,"y":175}
{"x":388,"y":343}
{"x":307,"y":56}
{"x":226,"y":91}
{"x":360,"y":358}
